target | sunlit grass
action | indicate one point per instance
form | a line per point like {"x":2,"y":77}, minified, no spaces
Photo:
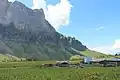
{"x":29,"y":71}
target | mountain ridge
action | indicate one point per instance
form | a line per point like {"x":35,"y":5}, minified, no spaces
{"x":26,"y":33}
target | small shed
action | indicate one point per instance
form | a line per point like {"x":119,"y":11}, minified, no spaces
{"x":62,"y":63}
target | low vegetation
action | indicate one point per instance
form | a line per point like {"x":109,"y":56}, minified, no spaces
{"x":7,"y":57}
{"x":75,"y":58}
{"x":31,"y":71}
{"x":90,"y":53}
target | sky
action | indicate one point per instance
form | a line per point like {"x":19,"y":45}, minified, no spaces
{"x":96,"y":23}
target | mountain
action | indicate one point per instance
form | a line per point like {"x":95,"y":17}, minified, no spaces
{"x":26,"y":33}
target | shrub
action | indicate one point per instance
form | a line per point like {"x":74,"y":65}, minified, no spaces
{"x":75,"y":57}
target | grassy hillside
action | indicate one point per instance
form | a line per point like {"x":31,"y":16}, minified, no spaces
{"x":5,"y":58}
{"x":117,"y":57}
{"x":90,"y":53}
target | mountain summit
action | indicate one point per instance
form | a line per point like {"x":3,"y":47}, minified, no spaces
{"x":26,"y":33}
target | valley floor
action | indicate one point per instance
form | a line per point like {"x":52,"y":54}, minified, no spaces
{"x":31,"y":71}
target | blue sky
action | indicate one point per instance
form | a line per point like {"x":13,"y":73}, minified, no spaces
{"x":96,"y":23}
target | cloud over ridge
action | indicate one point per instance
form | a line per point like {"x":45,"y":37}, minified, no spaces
{"x":58,"y":15}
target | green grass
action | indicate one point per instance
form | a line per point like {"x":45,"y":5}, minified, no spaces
{"x":90,"y":53}
{"x":2,"y":57}
{"x":117,"y":57}
{"x":5,"y":58}
{"x":29,"y":71}
{"x":76,"y":61}
{"x":59,"y":74}
{"x":8,"y":58}
{"x":24,"y":64}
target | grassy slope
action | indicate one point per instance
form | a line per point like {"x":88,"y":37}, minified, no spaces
{"x":91,"y":53}
{"x":4,"y":58}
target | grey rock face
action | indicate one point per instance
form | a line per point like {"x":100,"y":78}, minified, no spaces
{"x":3,"y":7}
{"x":3,"y":11}
{"x":23,"y":17}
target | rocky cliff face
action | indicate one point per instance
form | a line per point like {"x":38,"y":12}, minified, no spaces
{"x":23,"y":17}
{"x":26,"y":33}
{"x":3,"y":11}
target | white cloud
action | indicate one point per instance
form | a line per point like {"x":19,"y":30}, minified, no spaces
{"x":105,"y":49}
{"x":99,"y":28}
{"x":58,"y":15}
{"x":108,"y":49}
{"x":116,"y":44}
{"x":37,"y":4}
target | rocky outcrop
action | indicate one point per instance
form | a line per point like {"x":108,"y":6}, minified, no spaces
{"x":23,"y":17}
{"x":3,"y":11}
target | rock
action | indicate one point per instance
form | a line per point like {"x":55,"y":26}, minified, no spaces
{"x":3,"y":11}
{"x":23,"y":17}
